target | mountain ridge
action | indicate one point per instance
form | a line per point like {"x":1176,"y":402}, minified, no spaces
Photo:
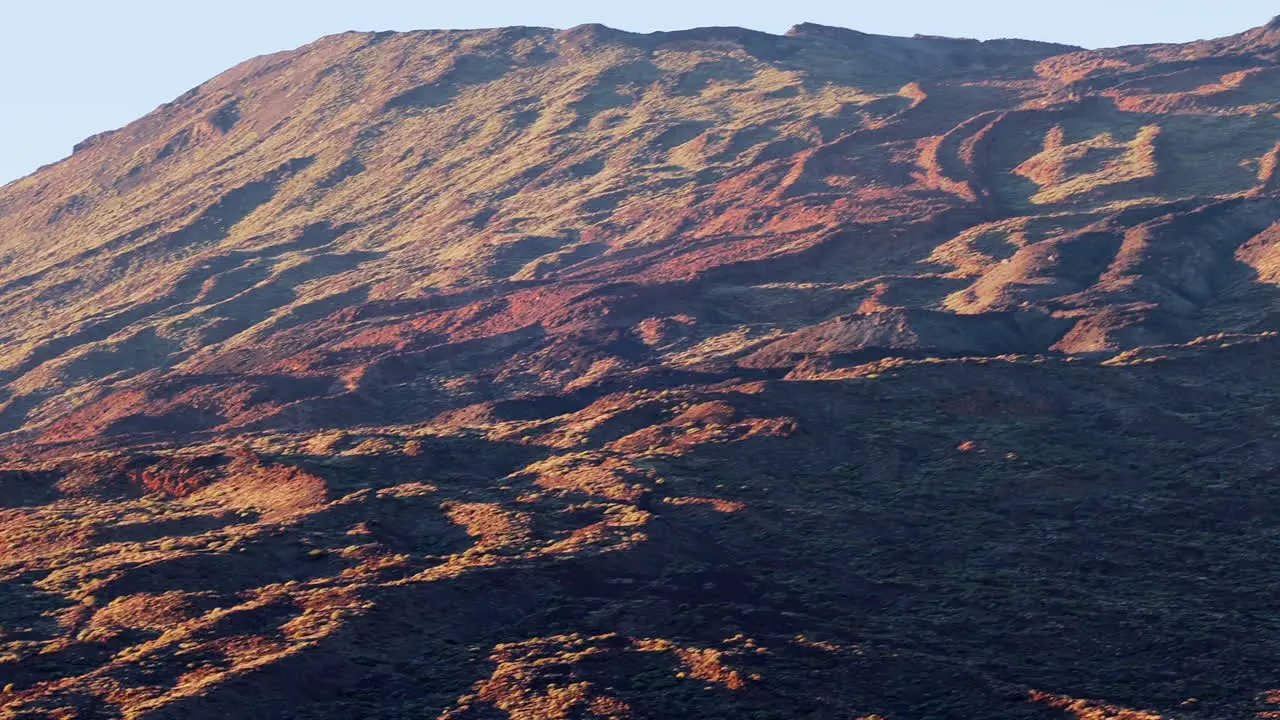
{"x":796,"y":30}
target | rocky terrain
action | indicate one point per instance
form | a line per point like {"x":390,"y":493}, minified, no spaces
{"x":529,"y":374}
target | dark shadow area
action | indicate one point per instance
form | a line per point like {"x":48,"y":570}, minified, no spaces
{"x":1124,"y":554}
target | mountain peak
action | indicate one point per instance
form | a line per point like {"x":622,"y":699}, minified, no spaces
{"x":593,"y":32}
{"x":808,"y":29}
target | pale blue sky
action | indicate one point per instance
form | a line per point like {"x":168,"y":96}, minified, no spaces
{"x":71,"y":68}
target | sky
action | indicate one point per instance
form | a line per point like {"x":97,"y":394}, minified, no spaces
{"x":73,"y":68}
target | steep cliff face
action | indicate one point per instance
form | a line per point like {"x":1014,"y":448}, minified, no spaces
{"x":587,"y":372}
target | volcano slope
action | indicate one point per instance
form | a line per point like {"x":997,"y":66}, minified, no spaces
{"x":560,"y":374}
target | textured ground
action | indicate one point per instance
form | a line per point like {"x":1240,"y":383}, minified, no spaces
{"x":559,"y":374}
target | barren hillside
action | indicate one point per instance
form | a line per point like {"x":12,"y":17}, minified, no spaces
{"x":558,"y":374}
